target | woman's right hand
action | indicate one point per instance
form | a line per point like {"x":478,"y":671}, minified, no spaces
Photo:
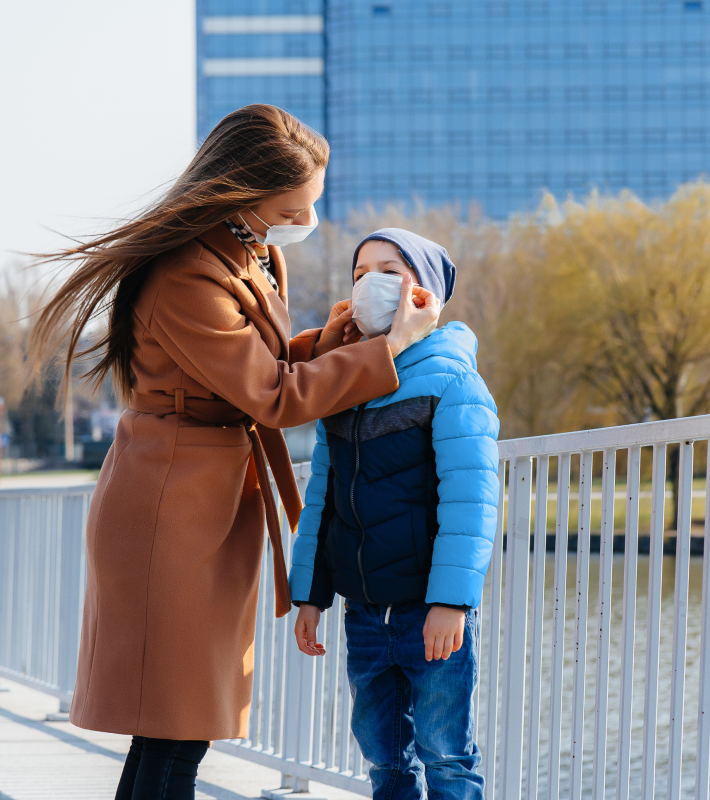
{"x":413,"y":322}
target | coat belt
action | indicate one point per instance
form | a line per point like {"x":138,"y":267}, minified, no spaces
{"x":267,"y":443}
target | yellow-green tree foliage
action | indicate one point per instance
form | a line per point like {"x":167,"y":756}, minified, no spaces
{"x":588,"y":313}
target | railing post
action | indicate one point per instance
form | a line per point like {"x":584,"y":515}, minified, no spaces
{"x":606,"y":558}
{"x":680,"y":622}
{"x":494,"y":595}
{"x":580,"y":620}
{"x":702,"y":756}
{"x":558,"y":626}
{"x":515,"y":637}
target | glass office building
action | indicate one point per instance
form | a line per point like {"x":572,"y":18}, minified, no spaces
{"x":484,"y":102}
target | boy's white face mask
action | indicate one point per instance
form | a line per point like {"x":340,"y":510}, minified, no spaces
{"x":375,"y":302}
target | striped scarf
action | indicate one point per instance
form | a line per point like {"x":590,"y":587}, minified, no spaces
{"x":259,"y":252}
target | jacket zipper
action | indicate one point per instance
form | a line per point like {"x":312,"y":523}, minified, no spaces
{"x":356,"y":433}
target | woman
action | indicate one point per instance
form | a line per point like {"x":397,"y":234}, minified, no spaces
{"x":198,"y":344}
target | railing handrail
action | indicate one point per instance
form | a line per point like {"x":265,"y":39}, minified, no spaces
{"x":641,"y":434}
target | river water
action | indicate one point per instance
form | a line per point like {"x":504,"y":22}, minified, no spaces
{"x":690,"y":718}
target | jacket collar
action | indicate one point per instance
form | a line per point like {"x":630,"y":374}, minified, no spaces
{"x":222,"y":242}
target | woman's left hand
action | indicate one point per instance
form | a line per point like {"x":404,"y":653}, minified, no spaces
{"x":340,"y":329}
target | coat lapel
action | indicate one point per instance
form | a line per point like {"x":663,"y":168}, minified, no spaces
{"x":222,"y":242}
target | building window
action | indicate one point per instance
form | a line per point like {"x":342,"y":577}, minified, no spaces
{"x":694,"y":91}
{"x":537,"y":51}
{"x":654,"y":179}
{"x":654,"y":92}
{"x":296,"y":46}
{"x":422,"y":181}
{"x":616,"y":179}
{"x":383,"y":181}
{"x":499,"y":95}
{"x":693,"y":5}
{"x":576,"y":181}
{"x":538,"y":94}
{"x":460,"y":53}
{"x":420,"y":54}
{"x":498,"y":137}
{"x":497,"y":9}
{"x":381,"y":11}
{"x":382,"y":139}
{"x":459,"y":95}
{"x":694,"y":135}
{"x":654,"y":50}
{"x":420,"y":138}
{"x":380,"y":54}
{"x":459,"y":138}
{"x":693,"y":49}
{"x":499,"y":180}
{"x":537,"y":137}
{"x":595,"y":7}
{"x":440,"y":9}
{"x":576,"y":136}
{"x":654,"y":6}
{"x":615,"y":93}
{"x":654,"y":135}
{"x":460,"y":180}
{"x":381,"y":96}
{"x":615,"y":50}
{"x":422,"y":96}
{"x":537,"y":9}
{"x":537,"y":180}
{"x":576,"y":94}
{"x":497,"y":52}
{"x":615,"y":136}
{"x":576,"y":51}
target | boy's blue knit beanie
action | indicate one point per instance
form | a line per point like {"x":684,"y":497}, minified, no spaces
{"x":435,"y":270}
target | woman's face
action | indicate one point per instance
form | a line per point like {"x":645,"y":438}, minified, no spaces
{"x":384,"y":257}
{"x":289,"y":208}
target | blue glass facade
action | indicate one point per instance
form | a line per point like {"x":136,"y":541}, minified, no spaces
{"x":483,"y":102}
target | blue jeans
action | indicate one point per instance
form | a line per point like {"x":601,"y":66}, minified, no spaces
{"x":413,"y":718}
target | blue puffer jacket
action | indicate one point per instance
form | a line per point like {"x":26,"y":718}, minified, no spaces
{"x":401,"y":504}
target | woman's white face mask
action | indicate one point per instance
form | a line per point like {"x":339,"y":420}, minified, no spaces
{"x":281,"y":235}
{"x":375,"y":302}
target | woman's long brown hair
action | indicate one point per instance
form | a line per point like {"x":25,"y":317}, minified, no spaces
{"x":254,"y":153}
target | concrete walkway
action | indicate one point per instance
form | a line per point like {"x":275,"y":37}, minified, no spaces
{"x":40,"y":759}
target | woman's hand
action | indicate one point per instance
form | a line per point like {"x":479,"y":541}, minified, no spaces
{"x":416,"y":316}
{"x":443,"y":632}
{"x":340,"y":329}
{"x":306,"y":630}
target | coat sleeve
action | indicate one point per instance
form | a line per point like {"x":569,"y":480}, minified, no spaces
{"x":301,"y":347}
{"x":464,"y":431}
{"x":310,"y":579}
{"x":198,"y":321}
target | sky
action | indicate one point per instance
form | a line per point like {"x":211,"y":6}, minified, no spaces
{"x":97,"y":109}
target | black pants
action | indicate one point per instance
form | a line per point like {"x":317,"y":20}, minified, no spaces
{"x":160,"y":769}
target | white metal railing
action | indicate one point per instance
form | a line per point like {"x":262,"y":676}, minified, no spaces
{"x":560,"y":715}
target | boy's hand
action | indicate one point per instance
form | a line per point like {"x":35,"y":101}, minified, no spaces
{"x":443,"y":632}
{"x":340,"y":329}
{"x":306,"y":628}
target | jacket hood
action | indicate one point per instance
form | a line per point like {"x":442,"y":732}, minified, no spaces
{"x":435,"y":269}
{"x":455,"y":341}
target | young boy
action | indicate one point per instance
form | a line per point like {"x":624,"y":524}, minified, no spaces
{"x":400,"y":518}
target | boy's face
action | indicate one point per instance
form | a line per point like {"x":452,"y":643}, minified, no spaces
{"x":384,"y":257}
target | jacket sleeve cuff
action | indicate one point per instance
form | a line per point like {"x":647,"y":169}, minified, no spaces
{"x":451,"y":605}
{"x":301,"y":347}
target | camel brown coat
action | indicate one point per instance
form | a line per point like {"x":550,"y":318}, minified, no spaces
{"x":176,"y":524}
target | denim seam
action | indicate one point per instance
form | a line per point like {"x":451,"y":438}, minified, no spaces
{"x":397,"y":734}
{"x":167,"y":772}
